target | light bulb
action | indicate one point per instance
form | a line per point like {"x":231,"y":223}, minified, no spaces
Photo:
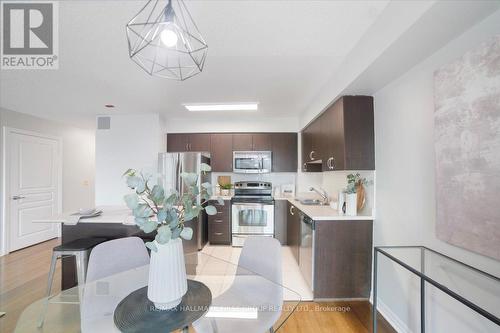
{"x":169,"y":37}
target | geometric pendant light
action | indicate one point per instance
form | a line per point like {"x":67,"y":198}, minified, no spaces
{"x":164,"y":40}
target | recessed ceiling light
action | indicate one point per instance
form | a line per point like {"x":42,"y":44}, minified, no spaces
{"x":222,"y":107}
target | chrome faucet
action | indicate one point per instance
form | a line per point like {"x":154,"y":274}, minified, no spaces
{"x":322,"y":193}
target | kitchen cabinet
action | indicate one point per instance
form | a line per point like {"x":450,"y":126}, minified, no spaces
{"x":342,"y":137}
{"x":221,"y":152}
{"x":293,"y":229}
{"x":311,"y":152}
{"x":284,"y":148}
{"x":251,"y":141}
{"x":262,"y":142}
{"x":221,"y":146}
{"x":182,"y":142}
{"x":219,"y":225}
{"x":242,"y":142}
{"x":280,"y":221}
{"x":342,"y":259}
{"x":177,"y":142}
{"x":350,"y":144}
{"x":199,"y":142}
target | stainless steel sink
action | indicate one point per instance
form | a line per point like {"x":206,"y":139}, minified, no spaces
{"x":310,"y":202}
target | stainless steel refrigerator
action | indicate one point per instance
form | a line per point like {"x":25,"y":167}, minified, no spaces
{"x":170,"y":168}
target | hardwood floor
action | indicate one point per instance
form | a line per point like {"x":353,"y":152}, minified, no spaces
{"x":23,"y":280}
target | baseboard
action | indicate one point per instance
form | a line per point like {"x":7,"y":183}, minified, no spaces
{"x":392,"y":318}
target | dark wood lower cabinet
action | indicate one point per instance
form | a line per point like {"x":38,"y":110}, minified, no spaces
{"x":293,"y":229}
{"x":280,"y":221}
{"x":219,"y":225}
{"x":342,"y":259}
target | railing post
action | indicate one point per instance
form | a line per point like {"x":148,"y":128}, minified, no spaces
{"x":422,"y":291}
{"x":374,"y":307}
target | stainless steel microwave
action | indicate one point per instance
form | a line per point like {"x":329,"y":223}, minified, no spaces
{"x":252,"y":161}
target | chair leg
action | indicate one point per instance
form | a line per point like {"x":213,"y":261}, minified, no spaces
{"x":80,"y":273}
{"x":52,"y":270}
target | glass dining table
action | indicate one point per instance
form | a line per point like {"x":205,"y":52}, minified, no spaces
{"x":241,"y":301}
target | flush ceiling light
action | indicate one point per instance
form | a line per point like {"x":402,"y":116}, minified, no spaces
{"x":164,"y":40}
{"x":222,"y":107}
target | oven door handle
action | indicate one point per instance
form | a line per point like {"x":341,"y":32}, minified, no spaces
{"x":246,"y":204}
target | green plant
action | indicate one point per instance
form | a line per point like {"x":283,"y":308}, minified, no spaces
{"x":353,"y":181}
{"x":226,"y":186}
{"x":154,"y":209}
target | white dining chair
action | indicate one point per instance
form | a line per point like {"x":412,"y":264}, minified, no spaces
{"x":258,"y":282}
{"x":104,"y":287}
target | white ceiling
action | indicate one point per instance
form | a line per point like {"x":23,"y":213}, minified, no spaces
{"x":278,"y":53}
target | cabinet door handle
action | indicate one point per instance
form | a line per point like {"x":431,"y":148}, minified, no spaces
{"x":218,"y":233}
{"x":218,"y":221}
{"x":311,"y":157}
{"x":291,"y":210}
{"x":304,"y":167}
{"x":331,"y":163}
{"x":18,"y":197}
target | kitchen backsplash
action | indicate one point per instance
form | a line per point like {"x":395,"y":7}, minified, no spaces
{"x":277,"y":179}
{"x":331,"y":182}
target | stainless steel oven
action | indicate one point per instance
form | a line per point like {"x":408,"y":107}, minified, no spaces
{"x":252,"y":161}
{"x":252,"y":211}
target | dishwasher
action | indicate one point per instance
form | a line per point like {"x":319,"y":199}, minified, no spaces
{"x":306,"y":260}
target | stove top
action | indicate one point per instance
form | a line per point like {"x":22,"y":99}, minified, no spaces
{"x":253,"y":192}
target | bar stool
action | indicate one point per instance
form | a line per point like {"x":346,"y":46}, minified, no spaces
{"x":80,"y":249}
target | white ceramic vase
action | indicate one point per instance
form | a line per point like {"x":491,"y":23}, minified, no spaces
{"x":167,"y":275}
{"x":351,"y":202}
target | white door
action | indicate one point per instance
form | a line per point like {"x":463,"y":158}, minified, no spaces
{"x":33,"y":182}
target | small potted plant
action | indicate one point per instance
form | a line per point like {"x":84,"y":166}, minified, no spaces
{"x":355,"y":194}
{"x":225,"y":189}
{"x":166,"y":213}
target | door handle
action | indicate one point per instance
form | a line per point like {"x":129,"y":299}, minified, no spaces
{"x":291,"y":210}
{"x":304,"y":167}
{"x":18,"y":197}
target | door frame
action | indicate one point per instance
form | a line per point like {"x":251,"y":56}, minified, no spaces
{"x":5,"y":191}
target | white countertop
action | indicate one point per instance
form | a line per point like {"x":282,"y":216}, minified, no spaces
{"x":110,"y":214}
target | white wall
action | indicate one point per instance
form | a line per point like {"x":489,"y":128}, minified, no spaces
{"x":78,"y":157}
{"x":406,"y":197}
{"x":242,"y":122}
{"x":133,"y":141}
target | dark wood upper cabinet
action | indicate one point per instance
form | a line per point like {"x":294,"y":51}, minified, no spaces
{"x":359,"y":133}
{"x":221,"y":146}
{"x":242,"y":142}
{"x":188,"y":142}
{"x":261,"y":141}
{"x":342,"y":137}
{"x":177,"y":142}
{"x":252,"y":141}
{"x":284,"y":148}
{"x":199,"y":142}
{"x":333,"y":132}
{"x":221,"y":152}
